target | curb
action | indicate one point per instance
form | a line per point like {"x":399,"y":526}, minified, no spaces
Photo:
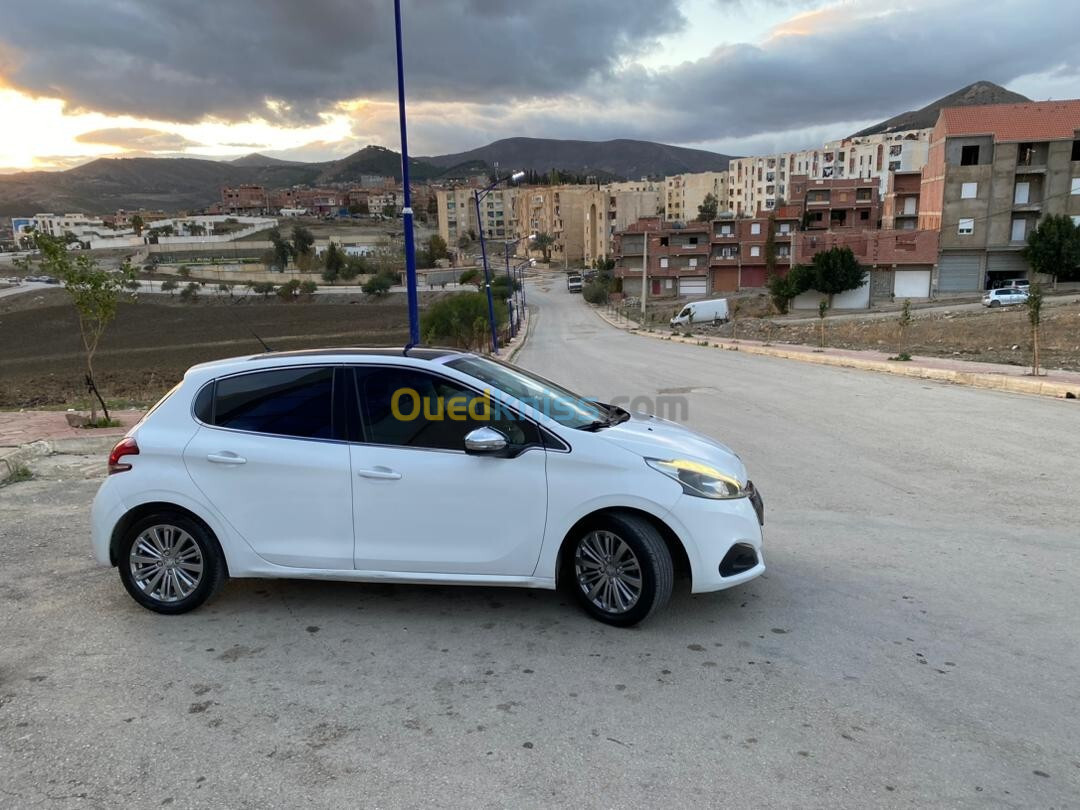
{"x":974,"y":379}
{"x":12,"y":458}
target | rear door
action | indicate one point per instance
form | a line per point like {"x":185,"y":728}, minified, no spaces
{"x":271,"y":458}
{"x":421,"y":504}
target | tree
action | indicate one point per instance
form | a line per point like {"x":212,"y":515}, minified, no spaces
{"x":333,"y":263}
{"x":706,"y":212}
{"x":596,"y":292}
{"x":463,"y":241}
{"x":461,"y":320}
{"x":354,"y":266}
{"x":433,"y":207}
{"x":903,"y":322}
{"x":436,"y":249}
{"x":836,"y":271}
{"x":289,"y":290}
{"x":360,"y":208}
{"x":302,"y":240}
{"x":543,"y":243}
{"x":822,"y":308}
{"x":170,"y":286}
{"x":184,"y":271}
{"x":389,"y":211}
{"x":96,"y":294}
{"x":1053,"y":248}
{"x":190,"y":293}
{"x":307,"y":289}
{"x":263,"y":288}
{"x":379,"y":284}
{"x":195,"y":229}
{"x":282,"y":251}
{"x":1034,"y":308}
{"x":137,"y":224}
{"x":783,"y":289}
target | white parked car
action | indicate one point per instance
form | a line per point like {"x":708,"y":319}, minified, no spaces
{"x":423,"y":466}
{"x":1004,"y":297}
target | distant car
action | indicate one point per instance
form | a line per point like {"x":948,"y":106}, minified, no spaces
{"x":1004,"y":297}
{"x":714,"y":310}
{"x":1019,"y":283}
{"x":573,"y":282}
{"x":50,"y":279}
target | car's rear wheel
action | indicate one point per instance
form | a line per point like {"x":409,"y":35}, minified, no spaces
{"x":170,"y":563}
{"x":622,"y":569}
{"x":995,"y":303}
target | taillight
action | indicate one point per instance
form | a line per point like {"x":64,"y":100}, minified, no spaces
{"x":124,"y":447}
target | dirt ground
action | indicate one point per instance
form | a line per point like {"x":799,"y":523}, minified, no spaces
{"x":989,"y":336}
{"x":152,"y":342}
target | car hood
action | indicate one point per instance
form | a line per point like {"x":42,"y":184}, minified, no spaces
{"x":652,"y":437}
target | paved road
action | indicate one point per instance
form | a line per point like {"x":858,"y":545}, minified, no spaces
{"x":913,"y":644}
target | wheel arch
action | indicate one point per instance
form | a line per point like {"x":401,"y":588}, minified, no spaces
{"x":137,"y":513}
{"x":679,"y":558}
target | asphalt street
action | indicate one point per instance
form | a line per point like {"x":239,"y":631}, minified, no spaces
{"x":914,"y":642}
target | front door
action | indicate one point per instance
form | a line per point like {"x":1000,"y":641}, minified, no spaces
{"x":421,"y":504}
{"x":273,"y":466}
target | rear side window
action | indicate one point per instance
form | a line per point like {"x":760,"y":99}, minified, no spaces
{"x":295,"y":402}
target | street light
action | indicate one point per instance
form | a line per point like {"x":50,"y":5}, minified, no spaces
{"x":406,"y":211}
{"x":477,"y":196}
{"x":513,"y":292}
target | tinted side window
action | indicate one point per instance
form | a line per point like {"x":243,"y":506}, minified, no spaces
{"x":411,"y":408}
{"x":285,"y":402}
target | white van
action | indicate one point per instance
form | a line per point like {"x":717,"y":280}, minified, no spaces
{"x":714,"y":310}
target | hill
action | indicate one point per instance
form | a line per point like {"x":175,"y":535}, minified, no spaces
{"x":620,"y":158}
{"x":257,"y":159}
{"x":973,"y":95}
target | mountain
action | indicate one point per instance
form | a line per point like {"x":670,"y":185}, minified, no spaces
{"x":924,"y":118}
{"x":256,"y":159}
{"x":618,"y":158}
{"x":375,"y":160}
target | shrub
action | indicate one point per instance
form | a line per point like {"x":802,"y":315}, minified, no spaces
{"x":379,"y":284}
{"x":461,"y":320}
{"x":472,"y":276}
{"x":289,"y":290}
{"x":308,"y":288}
{"x":170,"y":285}
{"x":596,"y":292}
{"x":190,"y":293}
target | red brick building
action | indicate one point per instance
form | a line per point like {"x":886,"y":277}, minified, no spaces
{"x":244,"y":200}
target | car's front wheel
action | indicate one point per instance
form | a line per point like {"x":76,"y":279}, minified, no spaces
{"x":170,"y":563}
{"x":622,"y":569}
{"x":995,"y":303}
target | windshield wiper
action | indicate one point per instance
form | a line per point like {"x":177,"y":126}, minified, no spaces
{"x":615,"y":416}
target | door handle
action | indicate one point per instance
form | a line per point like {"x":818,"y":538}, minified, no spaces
{"x":381,"y":473}
{"x":226,"y":457}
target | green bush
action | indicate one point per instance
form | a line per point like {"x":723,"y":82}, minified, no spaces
{"x":190,"y":293}
{"x":596,"y":292}
{"x":379,"y":284}
{"x":472,"y":276}
{"x":461,"y":320}
{"x":289,"y":290}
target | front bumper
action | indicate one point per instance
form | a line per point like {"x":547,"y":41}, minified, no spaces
{"x":723,"y":540}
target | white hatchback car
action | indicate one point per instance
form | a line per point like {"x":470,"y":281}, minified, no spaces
{"x":1005,"y":296}
{"x":423,"y":466}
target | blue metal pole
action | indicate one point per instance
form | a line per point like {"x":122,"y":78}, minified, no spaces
{"x":406,"y":211}
{"x":487,"y":277}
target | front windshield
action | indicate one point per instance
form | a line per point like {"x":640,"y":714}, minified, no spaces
{"x":555,"y":402}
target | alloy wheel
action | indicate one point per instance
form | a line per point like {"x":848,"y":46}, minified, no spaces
{"x":166,"y":563}
{"x":608,"y":571}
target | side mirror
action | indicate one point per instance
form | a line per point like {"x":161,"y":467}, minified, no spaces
{"x":485,"y":441}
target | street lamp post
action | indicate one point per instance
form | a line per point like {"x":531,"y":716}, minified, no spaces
{"x":512,"y":278}
{"x":477,"y":197}
{"x":406,"y":210}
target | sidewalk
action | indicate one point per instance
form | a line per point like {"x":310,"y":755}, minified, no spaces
{"x":23,"y":427}
{"x":1018,"y":379}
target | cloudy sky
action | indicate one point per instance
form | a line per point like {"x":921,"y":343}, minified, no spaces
{"x":314,"y":79}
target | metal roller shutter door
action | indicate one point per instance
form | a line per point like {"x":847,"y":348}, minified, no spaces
{"x":959,"y":272}
{"x":693,"y":286}
{"x":1007,"y":262}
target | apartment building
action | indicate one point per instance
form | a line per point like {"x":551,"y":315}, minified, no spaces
{"x":249,"y":200}
{"x":555,"y":210}
{"x":677,"y":258}
{"x":457,"y":213}
{"x":991,"y":174}
{"x":900,"y":205}
{"x":834,"y":203}
{"x":683,"y":193}
{"x":761,"y":183}
{"x":874,"y":156}
{"x":613,"y":208}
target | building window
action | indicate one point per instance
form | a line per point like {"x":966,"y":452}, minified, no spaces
{"x":755,"y":250}
{"x":663,"y":261}
{"x":969,"y":191}
{"x":1076,"y":150}
{"x":1076,"y":221}
{"x":894,"y":165}
{"x":1022,"y":193}
{"x":755,"y":228}
{"x":693,"y":262}
{"x":785,"y":227}
{"x":965,"y":227}
{"x":969,"y":155}
{"x":1019,"y":230}
{"x":1076,"y":185}
{"x":864,"y":215}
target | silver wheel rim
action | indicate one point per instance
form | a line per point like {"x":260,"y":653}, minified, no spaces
{"x":608,"y":572}
{"x":166,"y":563}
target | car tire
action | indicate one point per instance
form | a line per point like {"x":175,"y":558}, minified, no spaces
{"x":170,"y":563}
{"x":995,"y":304}
{"x":620,"y":569}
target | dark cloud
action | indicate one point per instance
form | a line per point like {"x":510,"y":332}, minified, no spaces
{"x":185,"y":60}
{"x":137,"y":139}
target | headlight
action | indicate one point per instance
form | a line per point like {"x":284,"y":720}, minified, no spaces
{"x":699,"y":479}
